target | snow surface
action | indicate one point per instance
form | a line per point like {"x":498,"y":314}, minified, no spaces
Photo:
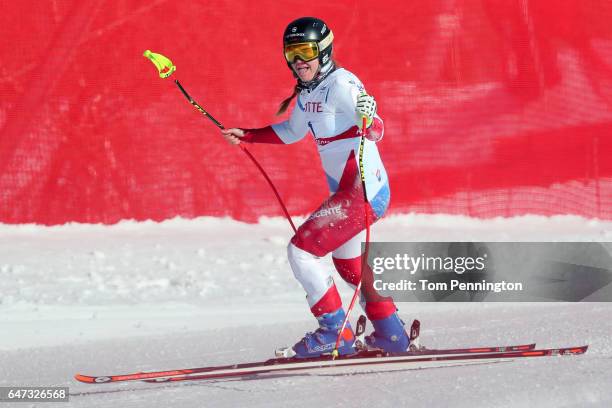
{"x":144,"y":296}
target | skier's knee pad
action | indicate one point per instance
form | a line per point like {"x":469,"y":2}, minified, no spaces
{"x":309,"y":240}
{"x":349,"y":269}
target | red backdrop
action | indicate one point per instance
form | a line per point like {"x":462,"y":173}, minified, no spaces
{"x":492,"y":107}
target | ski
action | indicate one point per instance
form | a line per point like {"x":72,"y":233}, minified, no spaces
{"x":368,"y":359}
{"x":283,"y":361}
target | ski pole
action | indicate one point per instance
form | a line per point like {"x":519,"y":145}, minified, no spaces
{"x":367,"y":224}
{"x":165,"y":68}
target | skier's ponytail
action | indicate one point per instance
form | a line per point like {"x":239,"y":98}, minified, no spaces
{"x":285,"y":104}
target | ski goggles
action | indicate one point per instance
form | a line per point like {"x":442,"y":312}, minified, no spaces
{"x":306,"y":51}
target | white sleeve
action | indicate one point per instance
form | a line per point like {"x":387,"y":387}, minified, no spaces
{"x":295,"y":128}
{"x":344,"y":93}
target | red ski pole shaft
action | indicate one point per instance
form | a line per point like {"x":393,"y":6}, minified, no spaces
{"x":244,"y":149}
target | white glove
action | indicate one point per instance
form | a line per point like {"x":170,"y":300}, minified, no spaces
{"x":366,"y":107}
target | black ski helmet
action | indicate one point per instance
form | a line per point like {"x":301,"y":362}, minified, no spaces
{"x":312,"y":29}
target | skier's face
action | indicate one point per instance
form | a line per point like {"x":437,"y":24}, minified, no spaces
{"x":306,"y":71}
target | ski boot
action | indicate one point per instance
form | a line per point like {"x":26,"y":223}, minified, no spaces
{"x":389,"y":335}
{"x":323,"y":340}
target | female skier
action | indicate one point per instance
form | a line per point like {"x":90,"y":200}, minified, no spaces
{"x":331,"y":104}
